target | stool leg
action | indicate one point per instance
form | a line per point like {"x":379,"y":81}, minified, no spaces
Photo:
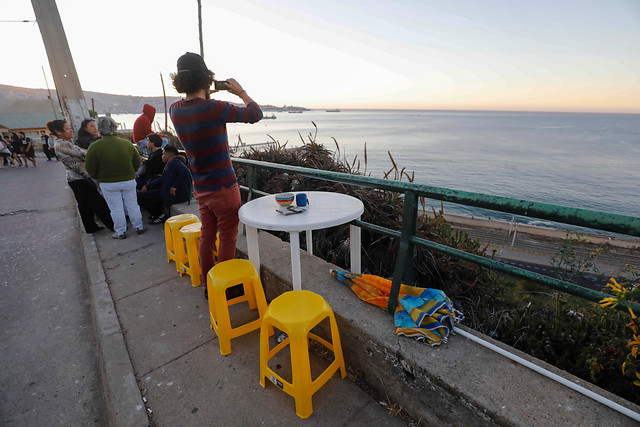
{"x":264,"y":350}
{"x":301,"y":375}
{"x":223,"y":322}
{"x":178,"y":249}
{"x":337,"y":346}
{"x":168,"y":239}
{"x":250,"y":293}
{"x":194,"y":261}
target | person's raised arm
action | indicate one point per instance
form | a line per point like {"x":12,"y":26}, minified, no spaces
{"x":236,"y":89}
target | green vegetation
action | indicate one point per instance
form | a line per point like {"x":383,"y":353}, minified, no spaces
{"x":572,"y":334}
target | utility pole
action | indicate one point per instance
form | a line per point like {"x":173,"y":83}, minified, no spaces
{"x":63,"y":69}
{"x":200,"y":27}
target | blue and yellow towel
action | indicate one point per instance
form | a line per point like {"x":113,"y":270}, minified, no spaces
{"x":423,"y":313}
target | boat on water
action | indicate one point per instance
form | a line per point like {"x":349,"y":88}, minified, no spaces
{"x":335,"y":110}
{"x":271,"y":117}
{"x":295,"y":112}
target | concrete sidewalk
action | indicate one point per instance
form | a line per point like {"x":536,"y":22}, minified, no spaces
{"x":161,"y":363}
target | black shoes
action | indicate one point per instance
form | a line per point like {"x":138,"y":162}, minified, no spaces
{"x":159,"y":219}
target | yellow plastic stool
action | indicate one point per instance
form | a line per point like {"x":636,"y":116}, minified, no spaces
{"x":191,"y":235}
{"x":172,"y":240}
{"x":296,"y":313}
{"x":223,"y":276}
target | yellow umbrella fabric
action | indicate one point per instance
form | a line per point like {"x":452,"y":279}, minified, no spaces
{"x":423,"y":313}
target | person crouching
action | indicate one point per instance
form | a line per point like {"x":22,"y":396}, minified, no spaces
{"x":173,"y":186}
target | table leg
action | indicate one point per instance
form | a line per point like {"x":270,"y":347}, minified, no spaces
{"x":356,"y":249}
{"x":296,"y":275}
{"x":252,"y":247}
{"x":309,"y":242}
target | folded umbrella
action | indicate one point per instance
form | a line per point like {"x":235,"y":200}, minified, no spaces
{"x":423,"y":313}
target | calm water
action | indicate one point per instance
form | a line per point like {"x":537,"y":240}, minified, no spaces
{"x":582,"y":160}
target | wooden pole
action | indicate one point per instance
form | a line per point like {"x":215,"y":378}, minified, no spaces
{"x":164,"y":95}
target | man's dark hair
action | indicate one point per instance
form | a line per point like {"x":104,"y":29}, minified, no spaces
{"x":192,"y":74}
{"x":171,"y":149}
{"x":155,"y":139}
{"x":189,"y":82}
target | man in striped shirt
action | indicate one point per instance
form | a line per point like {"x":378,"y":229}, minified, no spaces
{"x":200,"y":123}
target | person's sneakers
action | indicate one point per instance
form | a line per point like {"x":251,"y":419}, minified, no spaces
{"x":159,"y":219}
{"x":141,"y":230}
{"x":95,"y":230}
{"x":119,"y":236}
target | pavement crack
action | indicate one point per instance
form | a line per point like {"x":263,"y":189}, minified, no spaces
{"x":132,"y":251}
{"x":178,"y":357}
{"x":18,"y":212}
{"x":153,"y":285}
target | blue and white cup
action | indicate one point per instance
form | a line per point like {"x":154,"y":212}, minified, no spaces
{"x":301,"y":200}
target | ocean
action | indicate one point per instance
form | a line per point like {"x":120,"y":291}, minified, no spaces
{"x":583,"y":160}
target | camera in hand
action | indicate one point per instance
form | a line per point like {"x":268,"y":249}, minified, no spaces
{"x":220,"y":84}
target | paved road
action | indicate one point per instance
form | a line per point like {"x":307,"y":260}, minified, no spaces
{"x":48,"y":372}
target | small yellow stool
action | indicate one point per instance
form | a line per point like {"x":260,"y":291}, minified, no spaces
{"x":225,"y":275}
{"x":172,"y":239}
{"x":191,"y":235}
{"x":296,"y":313}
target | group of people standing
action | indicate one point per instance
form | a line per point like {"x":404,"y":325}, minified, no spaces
{"x":17,"y":148}
{"x":101,"y":172}
{"x":101,"y":167}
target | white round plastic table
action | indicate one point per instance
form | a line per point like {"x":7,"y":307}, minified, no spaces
{"x":325,"y":210}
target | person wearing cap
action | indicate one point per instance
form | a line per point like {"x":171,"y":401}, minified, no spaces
{"x":200,"y":123}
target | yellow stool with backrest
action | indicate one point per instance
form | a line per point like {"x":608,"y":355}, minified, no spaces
{"x":296,"y":313}
{"x":173,"y":241}
{"x":223,"y":276}
{"x":191,"y":235}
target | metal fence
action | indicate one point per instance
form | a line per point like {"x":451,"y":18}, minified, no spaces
{"x":403,"y":271}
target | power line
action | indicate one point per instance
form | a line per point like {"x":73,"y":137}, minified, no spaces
{"x":24,"y":20}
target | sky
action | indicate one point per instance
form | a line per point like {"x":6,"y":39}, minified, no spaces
{"x":543,"y":55}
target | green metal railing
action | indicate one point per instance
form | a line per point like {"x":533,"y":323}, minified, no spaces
{"x":403,"y":271}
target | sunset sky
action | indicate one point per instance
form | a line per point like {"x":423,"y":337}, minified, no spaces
{"x":570,"y":55}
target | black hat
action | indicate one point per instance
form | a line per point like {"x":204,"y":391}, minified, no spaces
{"x":191,"y":62}
{"x":171,"y":149}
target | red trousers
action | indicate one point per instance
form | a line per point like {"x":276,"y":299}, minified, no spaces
{"x":218,"y":214}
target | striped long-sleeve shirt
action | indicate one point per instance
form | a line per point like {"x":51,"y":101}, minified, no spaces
{"x":201,"y":128}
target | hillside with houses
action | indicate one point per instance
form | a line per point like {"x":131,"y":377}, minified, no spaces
{"x":28,"y":109}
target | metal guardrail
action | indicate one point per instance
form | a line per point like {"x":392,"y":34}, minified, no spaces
{"x":403,"y":271}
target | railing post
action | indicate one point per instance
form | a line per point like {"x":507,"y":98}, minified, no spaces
{"x":251,"y":181}
{"x":403,"y":271}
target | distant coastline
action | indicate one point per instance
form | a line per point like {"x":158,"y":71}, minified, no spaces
{"x":129,"y":104}
{"x":27,"y":100}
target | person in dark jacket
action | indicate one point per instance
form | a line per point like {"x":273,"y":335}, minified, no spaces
{"x":87,"y":134}
{"x":174,"y":186}
{"x":154,"y":165}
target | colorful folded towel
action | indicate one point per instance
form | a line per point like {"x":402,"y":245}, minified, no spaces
{"x":423,"y":313}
